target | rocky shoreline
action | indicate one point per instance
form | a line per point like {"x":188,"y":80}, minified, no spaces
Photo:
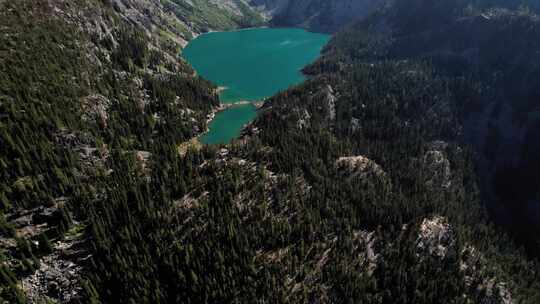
{"x":223,"y":107}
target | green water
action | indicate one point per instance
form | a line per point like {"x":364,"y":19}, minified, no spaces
{"x":251,"y":64}
{"x":227,"y":124}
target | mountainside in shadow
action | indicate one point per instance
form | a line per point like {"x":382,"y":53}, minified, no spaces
{"x":497,"y":48}
{"x":317,"y":15}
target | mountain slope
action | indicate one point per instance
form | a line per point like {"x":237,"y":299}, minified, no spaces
{"x":357,"y":186}
{"x":496,"y":48}
{"x":84,"y":85}
{"x":354,"y":187}
{"x":317,"y":15}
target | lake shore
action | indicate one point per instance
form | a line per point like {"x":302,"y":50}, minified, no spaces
{"x":197,"y":35}
{"x":224,"y":107}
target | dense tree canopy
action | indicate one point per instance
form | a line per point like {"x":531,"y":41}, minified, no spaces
{"x":358,"y":186}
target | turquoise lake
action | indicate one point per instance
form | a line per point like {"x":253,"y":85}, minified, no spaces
{"x":251,"y":65}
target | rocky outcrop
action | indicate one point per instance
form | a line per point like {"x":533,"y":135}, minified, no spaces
{"x":58,"y":276}
{"x":310,"y":275}
{"x":483,"y":288}
{"x":366,"y":244}
{"x":435,"y":237}
{"x":438,"y":173}
{"x":95,"y":109}
{"x":359,"y":167}
{"x":331,"y":100}
{"x":56,"y":280}
{"x":91,"y":157}
{"x":304,"y":120}
{"x":29,"y":223}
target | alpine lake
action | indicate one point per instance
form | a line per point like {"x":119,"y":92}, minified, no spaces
{"x":250,"y":65}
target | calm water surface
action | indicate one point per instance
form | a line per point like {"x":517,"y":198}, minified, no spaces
{"x":251,"y":64}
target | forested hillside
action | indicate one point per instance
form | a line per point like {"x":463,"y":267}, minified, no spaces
{"x":498,"y":51}
{"x":83,"y":85}
{"x":317,"y":15}
{"x":369,"y":183}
